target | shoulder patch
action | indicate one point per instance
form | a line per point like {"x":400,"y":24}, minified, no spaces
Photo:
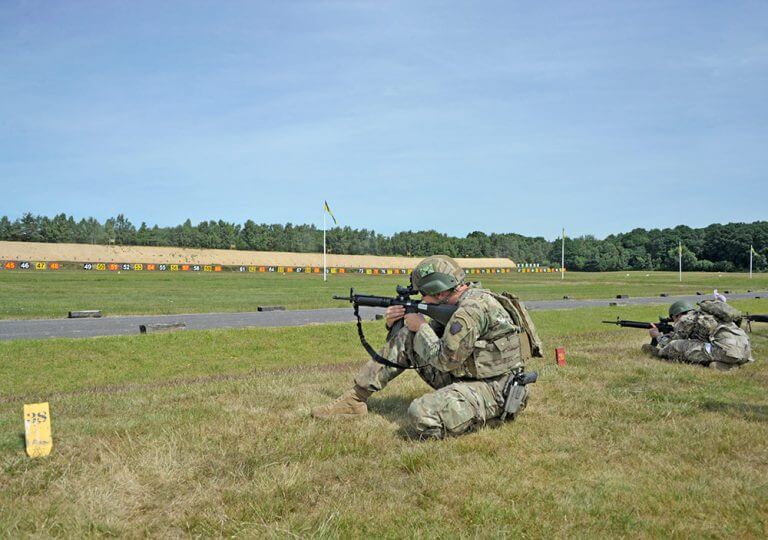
{"x":455,"y":328}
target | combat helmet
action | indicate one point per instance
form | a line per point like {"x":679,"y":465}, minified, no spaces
{"x":436,"y":274}
{"x":681,"y":306}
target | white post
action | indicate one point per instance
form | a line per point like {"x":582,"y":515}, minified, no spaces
{"x":751,"y":250}
{"x":325,"y":272}
{"x":562,"y":256}
{"x":680,"y":258}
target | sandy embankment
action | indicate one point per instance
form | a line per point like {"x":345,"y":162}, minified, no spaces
{"x":88,"y":253}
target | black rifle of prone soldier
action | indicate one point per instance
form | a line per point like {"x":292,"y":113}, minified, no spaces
{"x":664,"y":325}
{"x":757,"y":317}
{"x":442,"y":313}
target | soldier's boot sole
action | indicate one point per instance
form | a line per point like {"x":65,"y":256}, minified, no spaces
{"x":722,"y":366}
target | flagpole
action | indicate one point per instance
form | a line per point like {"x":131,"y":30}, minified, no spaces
{"x":751,"y":250}
{"x":680,"y":258}
{"x":325,"y":273}
{"x":562,"y":256}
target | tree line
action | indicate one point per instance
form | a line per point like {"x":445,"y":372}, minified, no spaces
{"x":717,"y":247}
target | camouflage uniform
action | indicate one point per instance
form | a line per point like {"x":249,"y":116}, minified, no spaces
{"x":467,"y":366}
{"x":699,"y":338}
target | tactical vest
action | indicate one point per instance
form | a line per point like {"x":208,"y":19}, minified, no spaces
{"x":699,"y":325}
{"x":497,"y":355}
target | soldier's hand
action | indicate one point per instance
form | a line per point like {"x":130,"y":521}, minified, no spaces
{"x":654,"y":332}
{"x":394,"y":314}
{"x":414,"y":321}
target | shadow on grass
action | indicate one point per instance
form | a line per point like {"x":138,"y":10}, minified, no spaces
{"x":758,"y":413}
{"x":395,"y":409}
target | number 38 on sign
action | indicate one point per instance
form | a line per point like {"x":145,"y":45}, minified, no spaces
{"x":37,"y":429}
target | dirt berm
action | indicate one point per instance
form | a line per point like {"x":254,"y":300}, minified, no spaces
{"x":88,"y":253}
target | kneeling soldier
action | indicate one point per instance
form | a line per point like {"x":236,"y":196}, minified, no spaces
{"x":468,"y":362}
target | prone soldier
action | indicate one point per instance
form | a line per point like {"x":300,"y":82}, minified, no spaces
{"x":707,"y":336}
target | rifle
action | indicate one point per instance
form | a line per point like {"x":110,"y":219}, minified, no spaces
{"x":664,"y":325}
{"x":441,"y":313}
{"x":757,"y":317}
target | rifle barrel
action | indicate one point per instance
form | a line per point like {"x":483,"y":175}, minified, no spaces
{"x":442,"y":313}
{"x":631,"y":324}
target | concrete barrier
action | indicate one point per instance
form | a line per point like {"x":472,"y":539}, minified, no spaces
{"x":87,"y":314}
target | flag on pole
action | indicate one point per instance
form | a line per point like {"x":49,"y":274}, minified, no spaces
{"x":328,"y":209}
{"x":753,"y":250}
{"x":562,"y":255}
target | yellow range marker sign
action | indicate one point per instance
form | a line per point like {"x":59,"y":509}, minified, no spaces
{"x":37,"y":429}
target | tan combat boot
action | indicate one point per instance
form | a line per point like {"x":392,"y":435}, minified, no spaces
{"x":350,"y":403}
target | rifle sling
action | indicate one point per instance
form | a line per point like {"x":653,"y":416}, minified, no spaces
{"x":376,"y":357}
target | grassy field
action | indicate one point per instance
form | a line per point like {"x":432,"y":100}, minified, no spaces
{"x":53,"y":294}
{"x":208,"y":434}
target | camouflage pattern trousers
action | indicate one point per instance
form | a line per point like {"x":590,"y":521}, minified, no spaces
{"x":694,"y":351}
{"x":689,"y":351}
{"x":455,"y":407}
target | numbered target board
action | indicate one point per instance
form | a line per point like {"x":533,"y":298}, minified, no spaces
{"x":37,"y":429}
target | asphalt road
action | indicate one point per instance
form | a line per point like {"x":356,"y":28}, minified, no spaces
{"x":129,"y":325}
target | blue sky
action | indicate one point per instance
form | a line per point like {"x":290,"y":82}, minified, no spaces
{"x":456,"y":116}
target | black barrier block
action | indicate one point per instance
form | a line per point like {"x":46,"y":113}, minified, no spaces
{"x":87,"y":314}
{"x":378,"y":317}
{"x":726,"y":292}
{"x":161,"y":327}
{"x":664,"y":294}
{"x":622,"y":296}
{"x":699,"y":293}
{"x":566,"y":297}
{"x":613,"y":304}
{"x":271,"y":308}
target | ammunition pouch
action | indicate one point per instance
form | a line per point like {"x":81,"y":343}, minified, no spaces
{"x":497,"y":357}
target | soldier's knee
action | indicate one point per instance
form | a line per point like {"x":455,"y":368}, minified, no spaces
{"x":440,"y":414}
{"x":424,"y":421}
